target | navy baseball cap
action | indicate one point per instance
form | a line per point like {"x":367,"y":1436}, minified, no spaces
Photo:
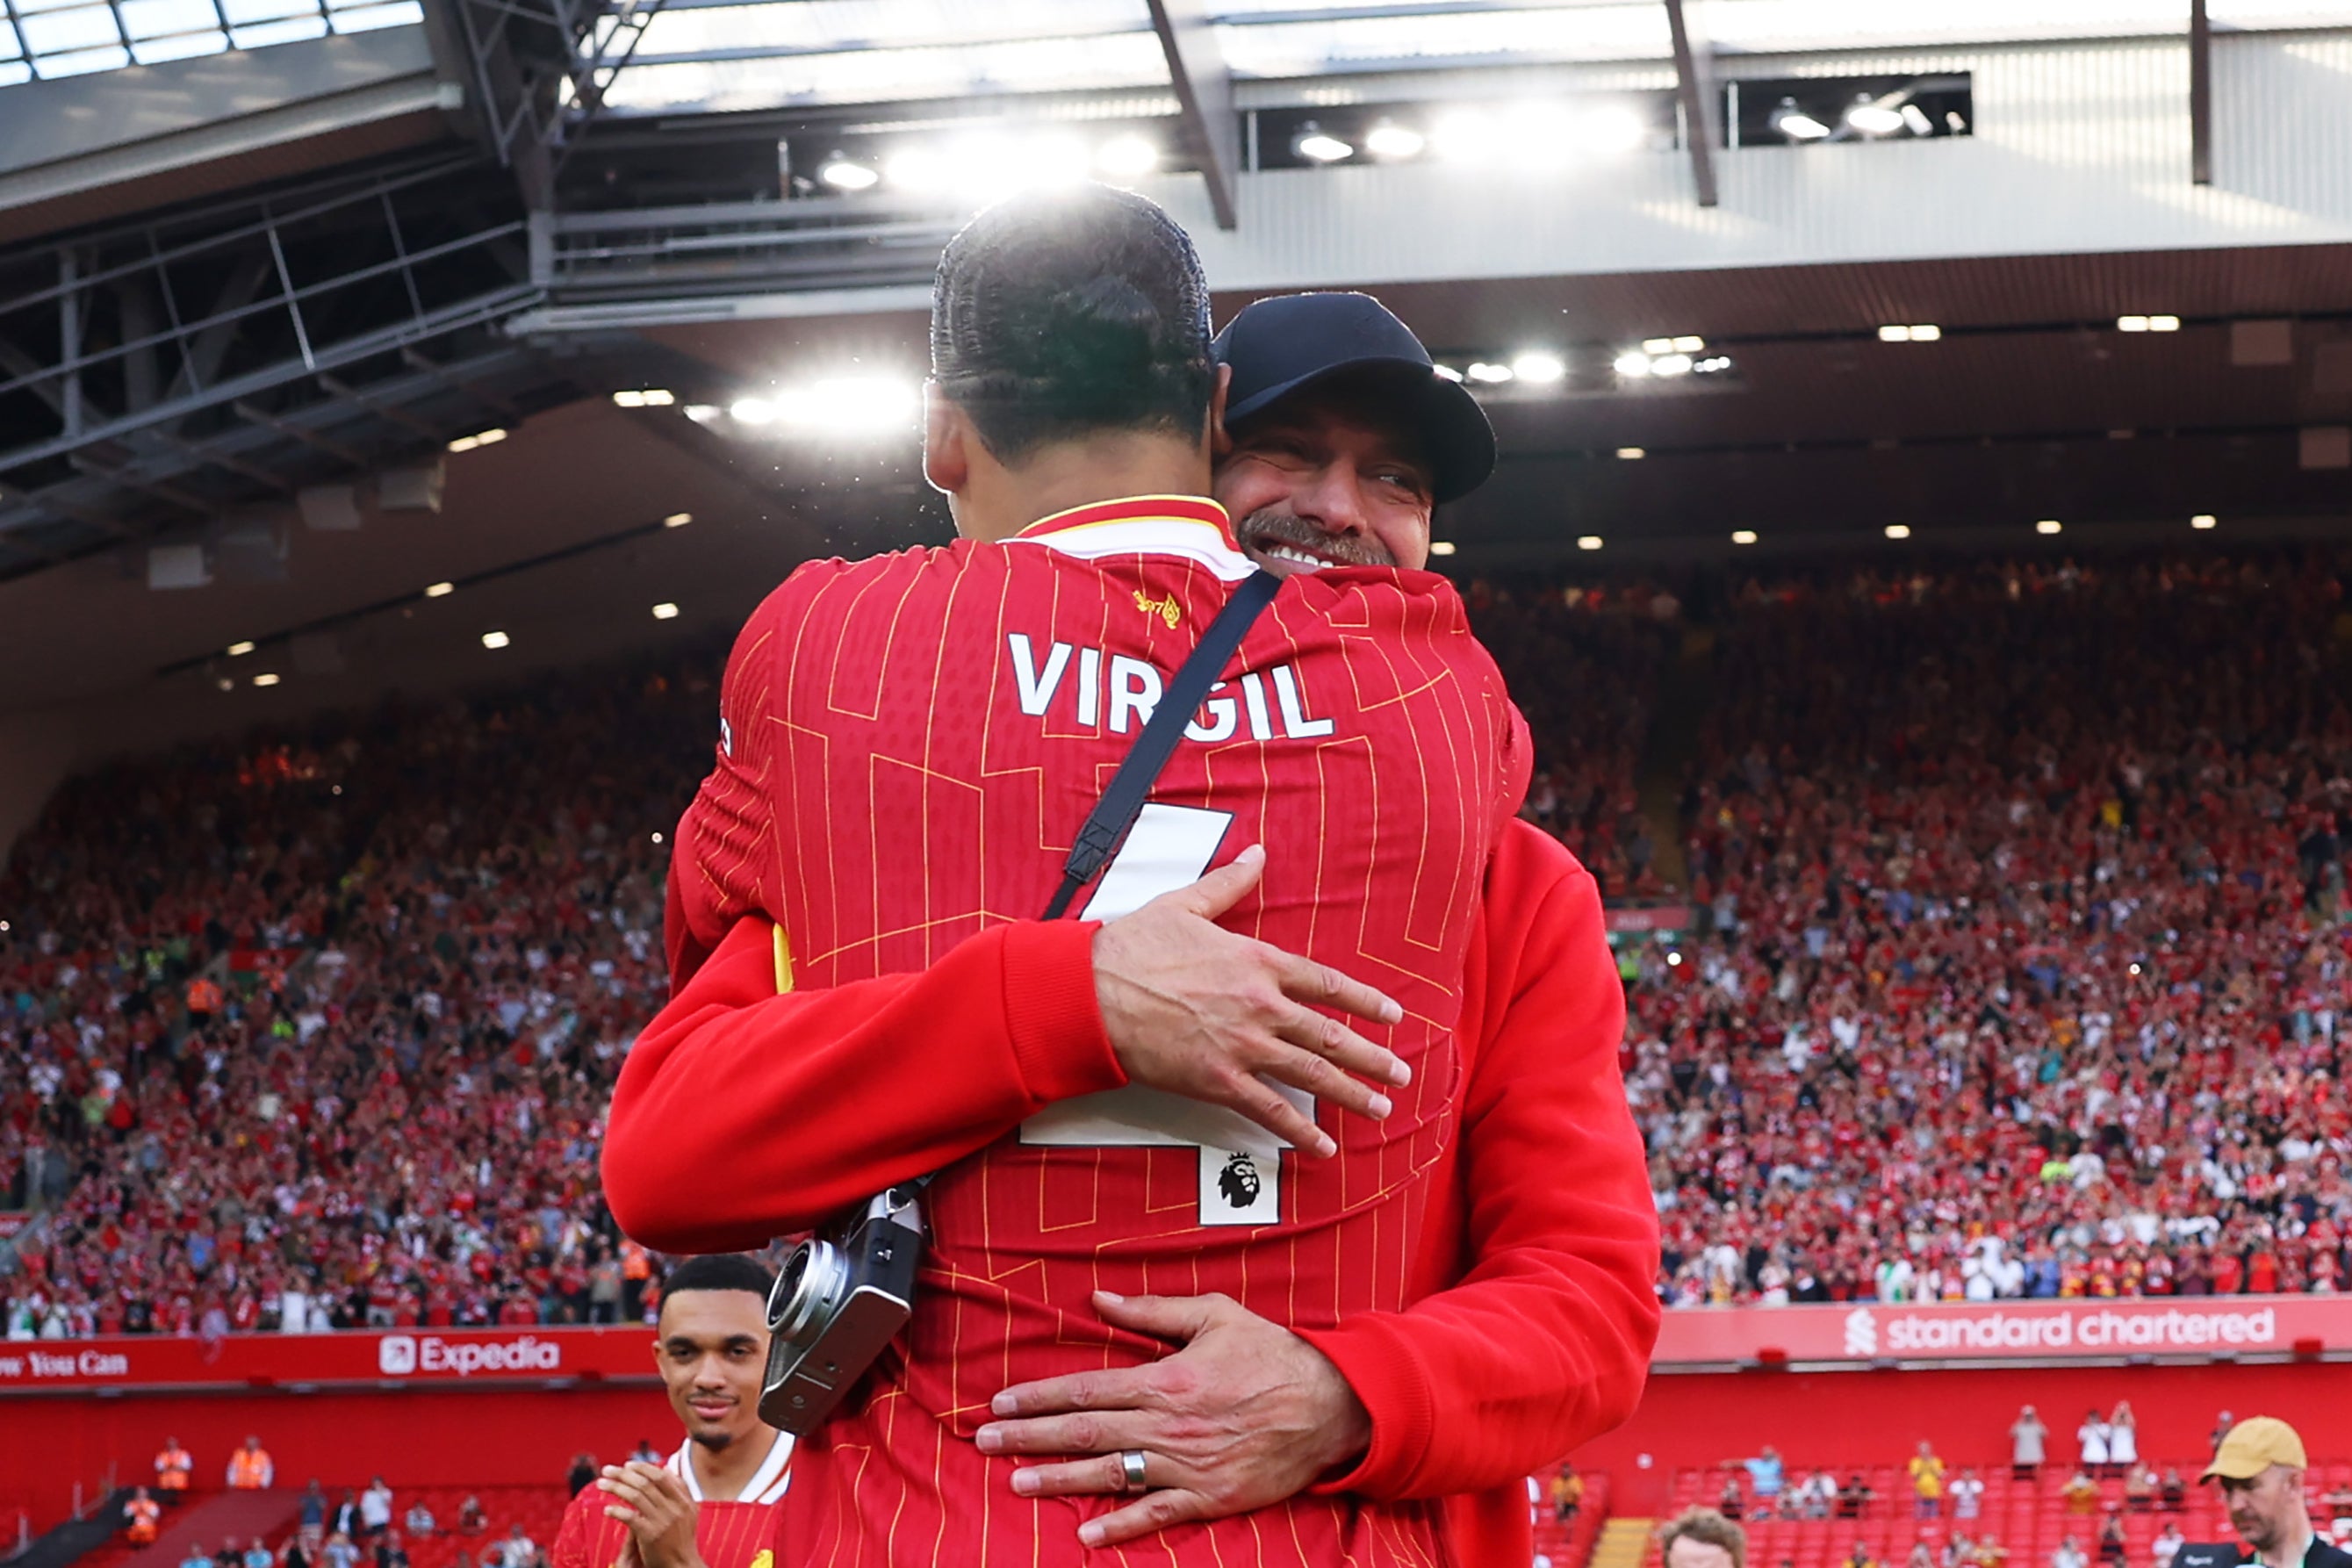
{"x":1282,"y":345}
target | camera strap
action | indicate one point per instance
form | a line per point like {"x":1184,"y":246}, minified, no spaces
{"x":1122,"y":802}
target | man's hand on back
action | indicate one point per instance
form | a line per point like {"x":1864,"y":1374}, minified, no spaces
{"x":1245,"y":1414}
{"x":1195,"y":1010}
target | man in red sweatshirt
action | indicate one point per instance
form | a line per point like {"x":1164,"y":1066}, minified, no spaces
{"x":1040,"y":1026}
{"x":1535,"y":1313}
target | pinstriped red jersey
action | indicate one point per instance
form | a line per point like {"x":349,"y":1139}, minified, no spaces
{"x":909,"y":746}
{"x":744,"y":1532}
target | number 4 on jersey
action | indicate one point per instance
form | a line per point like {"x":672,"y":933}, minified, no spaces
{"x":1240,"y":1161}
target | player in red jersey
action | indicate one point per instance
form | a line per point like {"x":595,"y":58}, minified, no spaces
{"x":908,"y":744}
{"x":715,"y":1503}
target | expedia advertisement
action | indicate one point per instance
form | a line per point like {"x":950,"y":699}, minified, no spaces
{"x":372,"y":1357}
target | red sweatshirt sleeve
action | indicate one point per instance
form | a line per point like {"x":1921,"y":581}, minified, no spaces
{"x":1541,"y":1340}
{"x":741,"y":1115}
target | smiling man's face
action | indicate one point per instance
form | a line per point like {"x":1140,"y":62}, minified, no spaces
{"x":712,"y":1349}
{"x":1326,"y":478}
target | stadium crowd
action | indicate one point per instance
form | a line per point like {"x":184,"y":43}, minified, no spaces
{"x":318,"y":1032}
{"x":2017,"y":967}
{"x":2026,"y":962}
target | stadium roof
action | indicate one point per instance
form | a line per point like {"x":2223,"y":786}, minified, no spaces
{"x":720,"y":56}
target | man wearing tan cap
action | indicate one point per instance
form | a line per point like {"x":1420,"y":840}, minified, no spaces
{"x":2260,"y":1466}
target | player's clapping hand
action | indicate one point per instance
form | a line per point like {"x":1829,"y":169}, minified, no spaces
{"x":654,"y":1504}
{"x":1196,"y":1010}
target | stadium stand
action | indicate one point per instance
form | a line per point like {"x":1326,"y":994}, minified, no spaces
{"x":2017,"y":976}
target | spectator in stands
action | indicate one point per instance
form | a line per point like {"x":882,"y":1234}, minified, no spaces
{"x":2081,"y":1493}
{"x":1567,"y":1494}
{"x":141,"y":1517}
{"x":196,"y":1557}
{"x":2027,"y":1439}
{"x":1821,"y":1492}
{"x":419,"y":1522}
{"x":2092,"y":1435}
{"x":2338,"y":1506}
{"x":584,"y":1472}
{"x":2174,"y":1492}
{"x":2261,"y":1465}
{"x":174,"y":1465}
{"x":2140,"y":1490}
{"x":311,"y":1517}
{"x":2123,"y":1438}
{"x":519,"y":1550}
{"x":1990,"y":1553}
{"x":2168,"y":1542}
{"x":1766,"y":1474}
{"x":347,"y":1515}
{"x":1921,"y":1556}
{"x":296,"y":1552}
{"x":2113,"y":1553}
{"x":376,"y":1509}
{"x":1926,"y":1482}
{"x":2222,"y":1425}
{"x":1728,"y":1502}
{"x":258,"y":1555}
{"x":645,"y":1453}
{"x":1854,"y":1497}
{"x":1702,"y":1538}
{"x":251,"y":1469}
{"x":389,"y":1551}
{"x":1968,"y":1495}
{"x":1860,"y":1557}
{"x":340,"y":1552}
{"x":2068,"y":1555}
{"x":471,"y":1519}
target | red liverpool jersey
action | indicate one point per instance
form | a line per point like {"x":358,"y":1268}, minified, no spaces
{"x":741,"y":1533}
{"x":908,"y":745}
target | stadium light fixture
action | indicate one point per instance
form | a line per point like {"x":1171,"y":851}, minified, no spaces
{"x":489,"y":437}
{"x":651,"y":397}
{"x":225,"y":684}
{"x":439,"y":590}
{"x":842,"y":403}
{"x":1611,"y":128}
{"x":1467,"y":136}
{"x":752,"y":411}
{"x":1447,"y":370}
{"x":1631,"y":454}
{"x":664,"y":612}
{"x":1671,"y":364}
{"x":1794,"y":125}
{"x":1632,"y":362}
{"x":495,"y":639}
{"x":677,"y":520}
{"x":1441,"y":547}
{"x":848,"y":175}
{"x":1488,"y":374}
{"x":1743,"y":536}
{"x":1868,"y":117}
{"x":2049,"y":525}
{"x":267,"y":678}
{"x":1916,"y":119}
{"x":1389,"y":141}
{"x":239,"y":649}
{"x":1589,"y":542}
{"x":1538,"y":368}
{"x":1318,"y":145}
{"x":2204,"y":520}
{"x":1898,"y":531}
{"x":1129,"y":157}
{"x":1915,"y":332}
{"x":2148,"y":323}
{"x":703,"y":412}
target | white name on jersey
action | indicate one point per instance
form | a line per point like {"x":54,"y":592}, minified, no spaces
{"x":1113,"y":689}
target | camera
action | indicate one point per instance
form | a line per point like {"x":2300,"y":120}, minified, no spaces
{"x":840,"y":1297}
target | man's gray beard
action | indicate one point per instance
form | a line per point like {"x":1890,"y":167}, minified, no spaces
{"x":1275,"y":525}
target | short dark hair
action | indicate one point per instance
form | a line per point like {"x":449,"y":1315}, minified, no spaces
{"x":1065,"y":313}
{"x":720,"y":1271}
{"x":1707,"y":1526}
